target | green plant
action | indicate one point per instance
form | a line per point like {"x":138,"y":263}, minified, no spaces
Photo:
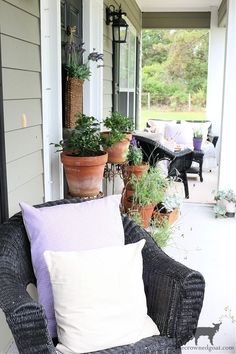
{"x":197,"y":133}
{"x":170,"y":202}
{"x":84,"y":139}
{"x":118,"y":126}
{"x":74,"y":53}
{"x":223,"y":197}
{"x":161,"y":232}
{"x":149,"y":188}
{"x":134,"y":215}
{"x":135,"y":154}
{"x":227,"y":194}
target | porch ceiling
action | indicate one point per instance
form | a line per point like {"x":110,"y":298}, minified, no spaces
{"x":176,"y":5}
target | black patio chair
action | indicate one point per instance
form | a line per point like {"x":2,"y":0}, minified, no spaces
{"x":179,"y":162}
{"x":174,"y":293}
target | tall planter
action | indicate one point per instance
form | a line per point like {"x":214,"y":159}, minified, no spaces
{"x":84,"y":174}
{"x":73,"y":100}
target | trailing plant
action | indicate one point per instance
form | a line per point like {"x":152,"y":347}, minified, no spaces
{"x":135,"y":154}
{"x":161,"y":232}
{"x":134,"y":215}
{"x":84,"y":139}
{"x":118,"y":126}
{"x":75,"y":66}
{"x":149,"y":188}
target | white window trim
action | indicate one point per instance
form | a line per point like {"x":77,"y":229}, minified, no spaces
{"x":51,"y":96}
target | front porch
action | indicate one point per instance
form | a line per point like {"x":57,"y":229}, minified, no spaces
{"x":202,"y":242}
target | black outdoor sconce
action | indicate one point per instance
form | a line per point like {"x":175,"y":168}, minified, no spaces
{"x":119,"y":25}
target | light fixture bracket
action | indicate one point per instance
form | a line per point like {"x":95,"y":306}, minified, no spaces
{"x":119,"y":25}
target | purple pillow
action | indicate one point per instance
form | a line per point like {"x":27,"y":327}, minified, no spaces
{"x":180,"y":133}
{"x":69,"y":227}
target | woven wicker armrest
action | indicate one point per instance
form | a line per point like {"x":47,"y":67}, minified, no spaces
{"x":174,"y":292}
{"x":24,"y":316}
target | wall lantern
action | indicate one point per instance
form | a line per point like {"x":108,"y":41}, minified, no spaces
{"x":119,"y":25}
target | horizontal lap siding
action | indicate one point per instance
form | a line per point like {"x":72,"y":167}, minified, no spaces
{"x":21,"y":72}
{"x":135,"y":17}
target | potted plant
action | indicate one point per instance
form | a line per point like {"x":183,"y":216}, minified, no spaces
{"x":116,"y":140}
{"x":82,"y":158}
{"x":134,"y":164}
{"x":197,"y":139}
{"x":168,"y":208}
{"x":148,"y":190}
{"x":226,"y":203}
{"x":76,"y":72}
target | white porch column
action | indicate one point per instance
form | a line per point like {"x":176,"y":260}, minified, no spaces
{"x":215,"y":74}
{"x":227,"y":158}
{"x":93,"y":38}
{"x":51,"y":96}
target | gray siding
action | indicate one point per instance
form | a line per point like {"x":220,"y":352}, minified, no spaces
{"x":135,"y":17}
{"x":20,"y":42}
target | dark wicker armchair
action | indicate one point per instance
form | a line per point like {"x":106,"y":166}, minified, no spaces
{"x":180,"y":161}
{"x":174,"y":294}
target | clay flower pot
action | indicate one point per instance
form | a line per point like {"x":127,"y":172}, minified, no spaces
{"x":117,"y":152}
{"x":129,"y":170}
{"x":84,"y":174}
{"x":171,"y":216}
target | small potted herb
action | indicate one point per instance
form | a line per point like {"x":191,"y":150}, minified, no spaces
{"x":168,"y":208}
{"x":134,"y":164}
{"x":225,"y":203}
{"x":82,"y":157}
{"x":116,"y":140}
{"x":148,"y":190}
{"x":197,"y":139}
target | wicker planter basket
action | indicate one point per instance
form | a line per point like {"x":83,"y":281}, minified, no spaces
{"x":73,"y":100}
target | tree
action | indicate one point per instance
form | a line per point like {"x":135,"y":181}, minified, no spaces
{"x":174,"y":64}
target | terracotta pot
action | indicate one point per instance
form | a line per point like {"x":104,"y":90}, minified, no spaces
{"x":117,"y":152}
{"x":84,"y":174}
{"x":128,"y":171}
{"x":146,"y":212}
{"x":171,"y":216}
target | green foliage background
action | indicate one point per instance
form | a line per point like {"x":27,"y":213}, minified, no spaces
{"x":175,"y":65}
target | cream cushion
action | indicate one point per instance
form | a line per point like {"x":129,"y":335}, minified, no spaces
{"x":202,"y":126}
{"x":99,"y":298}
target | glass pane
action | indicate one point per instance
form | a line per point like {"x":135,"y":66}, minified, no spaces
{"x":132,"y":60}
{"x":124,"y":66}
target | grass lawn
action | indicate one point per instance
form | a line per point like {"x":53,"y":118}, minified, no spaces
{"x":145,"y":115}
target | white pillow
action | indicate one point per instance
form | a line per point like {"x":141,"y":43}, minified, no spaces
{"x":99,"y":298}
{"x":203,"y":126}
{"x":180,"y":133}
{"x":158,"y":126}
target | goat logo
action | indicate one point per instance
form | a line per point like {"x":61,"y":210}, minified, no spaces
{"x":207,"y":331}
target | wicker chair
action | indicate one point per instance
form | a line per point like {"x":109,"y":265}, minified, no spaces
{"x":180,"y":161}
{"x":174,"y":293}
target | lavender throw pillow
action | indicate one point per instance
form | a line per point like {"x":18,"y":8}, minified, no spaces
{"x":69,"y":227}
